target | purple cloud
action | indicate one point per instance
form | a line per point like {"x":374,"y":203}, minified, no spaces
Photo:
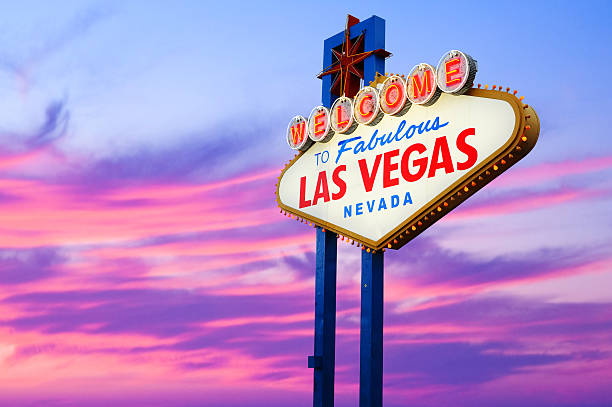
{"x":26,"y":265}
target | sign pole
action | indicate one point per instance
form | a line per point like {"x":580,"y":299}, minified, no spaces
{"x":372,"y":265}
{"x":376,"y":185}
{"x":371,"y":335}
{"x":324,"y":359}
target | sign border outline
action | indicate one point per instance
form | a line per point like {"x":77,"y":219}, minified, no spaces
{"x":524,"y":136}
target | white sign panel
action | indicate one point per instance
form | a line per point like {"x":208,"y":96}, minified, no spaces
{"x":382,"y":181}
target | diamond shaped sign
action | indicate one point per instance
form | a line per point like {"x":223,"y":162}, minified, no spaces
{"x":383,"y":183}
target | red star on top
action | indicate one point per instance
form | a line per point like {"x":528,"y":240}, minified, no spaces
{"x":348,"y":65}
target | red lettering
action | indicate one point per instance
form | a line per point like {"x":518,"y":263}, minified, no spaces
{"x":321,"y":190}
{"x":449,"y":65}
{"x":368,"y":178}
{"x":441,"y":146}
{"x":422,"y":89}
{"x":341,"y":122}
{"x":297,"y":133}
{"x":388,"y":167}
{"x":339,"y":182}
{"x":465,"y":148}
{"x":363,"y":113}
{"x":303,"y":202}
{"x":398,"y":96}
{"x":421,"y":163}
{"x":319,"y":125}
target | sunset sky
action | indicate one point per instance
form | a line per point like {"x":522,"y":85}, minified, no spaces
{"x":143,"y":260}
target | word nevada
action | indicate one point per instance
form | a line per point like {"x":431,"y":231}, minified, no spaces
{"x":454,"y":74}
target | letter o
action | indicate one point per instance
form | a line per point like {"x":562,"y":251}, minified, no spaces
{"x":393,"y":100}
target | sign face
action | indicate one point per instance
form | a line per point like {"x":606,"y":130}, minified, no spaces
{"x":385,"y":178}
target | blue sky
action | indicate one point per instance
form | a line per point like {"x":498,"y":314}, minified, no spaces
{"x":207,"y":61}
{"x":142,"y":257}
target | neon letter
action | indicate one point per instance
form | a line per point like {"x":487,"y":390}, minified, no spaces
{"x":318,"y":123}
{"x":339,"y":115}
{"x":421,"y":89}
{"x":363,"y":99}
{"x":397,"y":100}
{"x":450,"y":64}
{"x":297,"y":133}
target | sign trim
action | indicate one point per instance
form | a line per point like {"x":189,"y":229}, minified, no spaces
{"x":524,"y":137}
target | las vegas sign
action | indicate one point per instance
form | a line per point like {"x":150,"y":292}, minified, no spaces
{"x":380,"y":168}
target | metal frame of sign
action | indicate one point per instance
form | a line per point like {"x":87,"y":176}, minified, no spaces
{"x":524,"y":137}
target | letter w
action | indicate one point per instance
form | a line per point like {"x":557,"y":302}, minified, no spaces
{"x":297,"y":132}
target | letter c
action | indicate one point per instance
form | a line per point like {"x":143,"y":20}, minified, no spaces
{"x":363,"y":99}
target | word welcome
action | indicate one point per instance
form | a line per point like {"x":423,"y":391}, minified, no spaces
{"x":454,"y":74}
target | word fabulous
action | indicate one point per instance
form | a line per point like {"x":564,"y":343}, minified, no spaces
{"x":454,"y":74}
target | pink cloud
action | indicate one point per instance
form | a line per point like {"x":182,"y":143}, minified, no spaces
{"x":540,"y":173}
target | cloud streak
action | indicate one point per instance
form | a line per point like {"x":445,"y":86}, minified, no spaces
{"x":162,"y":271}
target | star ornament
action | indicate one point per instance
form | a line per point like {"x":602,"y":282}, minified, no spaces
{"x":347,"y":68}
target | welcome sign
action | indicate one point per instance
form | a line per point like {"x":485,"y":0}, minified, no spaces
{"x":381,"y":168}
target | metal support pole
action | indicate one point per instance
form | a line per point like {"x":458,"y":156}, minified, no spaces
{"x":371,"y":340}
{"x":324,"y":359}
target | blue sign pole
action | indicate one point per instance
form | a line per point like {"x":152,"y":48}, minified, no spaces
{"x":323,"y":361}
{"x":372,"y":270}
{"x":371,"y":334}
{"x":372,"y":267}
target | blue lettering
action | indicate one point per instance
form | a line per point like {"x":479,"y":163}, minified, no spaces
{"x":407,"y":199}
{"x":373,"y":138}
{"x":394,"y":201}
{"x":360,"y":147}
{"x":370,"y":208}
{"x":382,"y":204}
{"x":410,"y":131}
{"x":390,"y":138}
{"x":399,"y":130}
{"x":436,"y":124}
{"x":342,"y":146}
{"x":359,"y":209}
{"x":421,"y":129}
